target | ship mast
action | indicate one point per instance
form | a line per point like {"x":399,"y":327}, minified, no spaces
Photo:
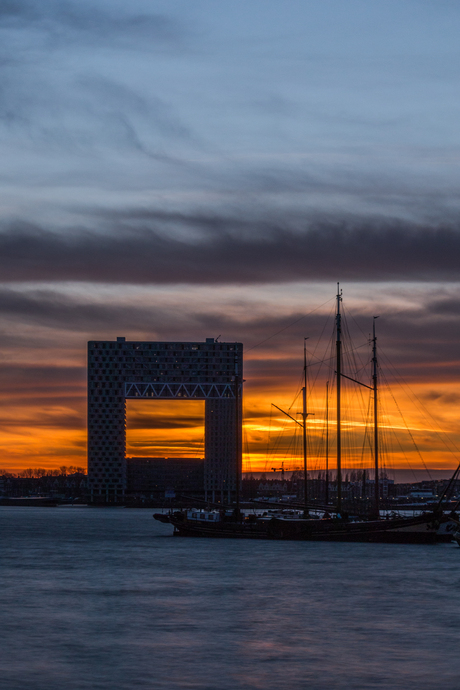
{"x":339,"y":376}
{"x":327,"y":444}
{"x":376,"y":427}
{"x":304,"y":430}
{"x":237,"y":436}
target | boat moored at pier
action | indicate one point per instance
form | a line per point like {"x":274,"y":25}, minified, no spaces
{"x":422,"y":529}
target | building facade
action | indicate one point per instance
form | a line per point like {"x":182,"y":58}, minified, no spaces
{"x":121,"y":370}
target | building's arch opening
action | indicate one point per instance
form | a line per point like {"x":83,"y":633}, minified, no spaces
{"x":164,"y":447}
{"x":165,"y":428}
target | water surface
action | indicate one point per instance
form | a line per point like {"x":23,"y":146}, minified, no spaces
{"x":108,"y":599}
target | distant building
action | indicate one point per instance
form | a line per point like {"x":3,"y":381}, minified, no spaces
{"x":154,"y":475}
{"x":422,"y":493}
{"x":272,"y":487}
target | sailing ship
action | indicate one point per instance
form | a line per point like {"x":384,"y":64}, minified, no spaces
{"x":334,"y":525}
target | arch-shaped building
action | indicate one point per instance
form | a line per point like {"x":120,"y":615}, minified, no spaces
{"x":120,"y":370}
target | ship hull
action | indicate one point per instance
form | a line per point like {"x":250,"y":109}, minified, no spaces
{"x":420,"y":530}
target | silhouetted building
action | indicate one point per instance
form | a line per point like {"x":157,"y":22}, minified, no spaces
{"x":122,"y":370}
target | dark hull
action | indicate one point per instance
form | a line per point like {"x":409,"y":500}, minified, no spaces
{"x":420,"y":530}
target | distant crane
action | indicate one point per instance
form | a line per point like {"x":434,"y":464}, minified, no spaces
{"x":283,"y":470}
{"x":279,"y":469}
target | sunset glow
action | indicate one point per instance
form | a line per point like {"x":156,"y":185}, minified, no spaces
{"x":44,"y":415}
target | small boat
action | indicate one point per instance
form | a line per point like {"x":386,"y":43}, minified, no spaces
{"x":334,"y":525}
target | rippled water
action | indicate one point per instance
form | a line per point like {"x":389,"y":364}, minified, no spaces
{"x":106,"y":598}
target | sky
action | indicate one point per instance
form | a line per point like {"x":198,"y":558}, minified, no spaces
{"x":177,"y":170}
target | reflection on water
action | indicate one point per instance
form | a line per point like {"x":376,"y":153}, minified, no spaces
{"x":107,"y":599}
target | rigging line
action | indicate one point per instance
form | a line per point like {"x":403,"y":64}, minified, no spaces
{"x":268,"y":439}
{"x":245,"y":458}
{"x":352,"y":356}
{"x":326,"y":323}
{"x":281,"y":449}
{"x":279,"y":440}
{"x":384,"y":434}
{"x":345,"y":352}
{"x":321,"y":439}
{"x":400,"y":381}
{"x":367,"y":436}
{"x":354,"y":349}
{"x":357,"y":324}
{"x":319,"y":361}
{"x":357,"y":394}
{"x":286,"y":452}
{"x":298,"y":389}
{"x":313,"y":381}
{"x":418,"y":403}
{"x":289,"y":325}
{"x":412,"y":469}
{"x":246,"y":453}
{"x":442,"y":437}
{"x":407,"y":428}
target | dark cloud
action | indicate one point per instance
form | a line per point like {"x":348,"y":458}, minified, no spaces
{"x":37,"y":380}
{"x":442,"y":397}
{"x":127,"y":104}
{"x":415,"y":344}
{"x":222,"y":250}
{"x":18,"y":9}
{"x":159,"y":421}
{"x":42,"y":418}
{"x":55,"y":310}
{"x":118,"y":27}
{"x":446,"y":306}
{"x":89,"y":113}
{"x":42,"y":397}
{"x":99,"y":320}
{"x":84,"y":22}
